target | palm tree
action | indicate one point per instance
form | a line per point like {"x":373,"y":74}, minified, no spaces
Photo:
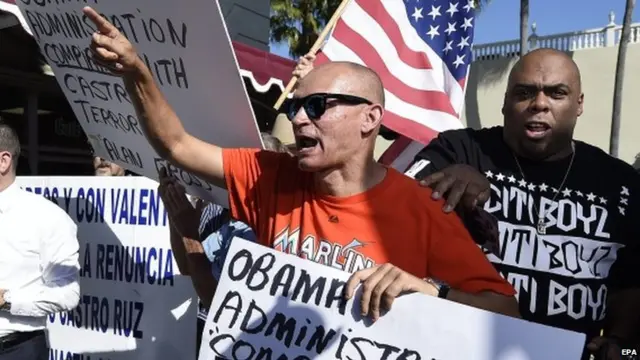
{"x":617,"y":88}
{"x":298,"y":22}
{"x":524,"y":25}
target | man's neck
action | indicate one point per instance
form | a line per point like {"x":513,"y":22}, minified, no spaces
{"x":350,"y":180}
{"x":6,"y":181}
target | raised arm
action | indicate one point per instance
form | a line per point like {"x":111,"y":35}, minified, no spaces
{"x":160,"y":124}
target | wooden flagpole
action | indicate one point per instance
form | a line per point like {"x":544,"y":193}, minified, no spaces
{"x":314,"y":49}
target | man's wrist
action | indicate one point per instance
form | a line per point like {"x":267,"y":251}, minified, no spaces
{"x":436,"y":288}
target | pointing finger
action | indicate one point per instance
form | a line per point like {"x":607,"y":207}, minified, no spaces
{"x":101,"y":23}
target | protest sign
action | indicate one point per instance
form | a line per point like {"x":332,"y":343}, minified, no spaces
{"x":187,"y":49}
{"x":133,"y":302}
{"x":272,"y":305}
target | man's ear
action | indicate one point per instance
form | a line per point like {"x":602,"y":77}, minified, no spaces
{"x":372,"y":118}
{"x":580,"y":104}
{"x":5,"y":162}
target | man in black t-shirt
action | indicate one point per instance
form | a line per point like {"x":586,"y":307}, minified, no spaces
{"x":569,"y":214}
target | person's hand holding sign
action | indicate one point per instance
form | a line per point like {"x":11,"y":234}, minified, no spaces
{"x":110,"y":48}
{"x":381,"y":285}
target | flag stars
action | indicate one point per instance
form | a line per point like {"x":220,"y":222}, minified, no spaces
{"x":451,"y":28}
{"x":511,"y":179}
{"x":566,"y":192}
{"x":500,"y":177}
{"x":417,"y":14}
{"x":489,"y":174}
{"x":459,"y":60}
{"x":543,"y":187}
{"x":624,"y":201}
{"x":467,"y":23}
{"x":554,"y":190}
{"x":624,"y":191}
{"x":470,"y":5}
{"x":447,"y":47}
{"x":531,"y":187}
{"x":603,"y":200}
{"x":453,"y":8}
{"x":622,"y":210}
{"x":522,"y":183}
{"x":433,"y":31}
{"x":591,"y":196}
{"x":464,"y":41}
{"x":435,"y":12}
{"x":579,"y":193}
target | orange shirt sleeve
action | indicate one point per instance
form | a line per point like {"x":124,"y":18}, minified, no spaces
{"x":457,"y":260}
{"x":250,"y":176}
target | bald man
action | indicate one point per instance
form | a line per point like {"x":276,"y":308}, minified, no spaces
{"x":568,"y":212}
{"x":330,"y":202}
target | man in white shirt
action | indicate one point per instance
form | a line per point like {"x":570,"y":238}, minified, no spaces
{"x":38,"y":261}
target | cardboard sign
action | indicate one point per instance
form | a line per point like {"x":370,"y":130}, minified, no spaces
{"x":272,"y":305}
{"x":187,"y":48}
{"x":134,"y":304}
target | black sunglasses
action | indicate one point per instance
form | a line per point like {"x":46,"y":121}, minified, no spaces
{"x":315,"y":105}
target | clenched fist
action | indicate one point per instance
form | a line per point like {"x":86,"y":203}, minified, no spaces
{"x":110,"y":48}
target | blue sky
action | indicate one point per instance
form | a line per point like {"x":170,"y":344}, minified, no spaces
{"x":500,"y":20}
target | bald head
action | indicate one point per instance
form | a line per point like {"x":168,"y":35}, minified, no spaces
{"x":542,"y":60}
{"x":348,"y":78}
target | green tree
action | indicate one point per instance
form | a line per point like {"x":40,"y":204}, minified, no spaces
{"x":618,"y":84}
{"x":298,"y":22}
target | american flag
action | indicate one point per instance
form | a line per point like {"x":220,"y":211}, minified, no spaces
{"x":422,"y":51}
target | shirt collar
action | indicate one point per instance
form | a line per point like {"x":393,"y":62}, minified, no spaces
{"x":7,"y":195}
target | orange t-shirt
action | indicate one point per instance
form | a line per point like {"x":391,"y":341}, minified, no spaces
{"x":395,"y":222}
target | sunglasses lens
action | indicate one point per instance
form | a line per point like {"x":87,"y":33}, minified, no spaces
{"x":315,"y":107}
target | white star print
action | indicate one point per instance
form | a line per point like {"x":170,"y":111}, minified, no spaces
{"x":621,"y":209}
{"x":463,"y":42}
{"x":470,"y":5}
{"x":566,"y":192}
{"x":447,"y":46}
{"x":522,"y":183}
{"x":543,"y":187}
{"x":500,"y":177}
{"x":579,"y":193}
{"x":625,"y":191}
{"x":417,"y":14}
{"x":450,"y":28}
{"x":433,"y":31}
{"x":624,"y":201}
{"x":591,"y":196}
{"x":603,"y":200}
{"x":453,"y":8}
{"x":489,"y":174}
{"x":531,"y":187}
{"x":459,"y":60}
{"x":511,"y":179}
{"x":554,"y":190}
{"x":435,"y":12}
{"x":467,"y":23}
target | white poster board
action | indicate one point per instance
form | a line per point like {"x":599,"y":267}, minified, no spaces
{"x":134,"y":304}
{"x":271,"y":304}
{"x":187,"y":48}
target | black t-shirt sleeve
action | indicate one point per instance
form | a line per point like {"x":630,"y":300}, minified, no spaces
{"x":625,"y":272}
{"x":448,"y":148}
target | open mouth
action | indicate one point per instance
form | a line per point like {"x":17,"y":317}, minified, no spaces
{"x":536,"y":129}
{"x":305,"y":143}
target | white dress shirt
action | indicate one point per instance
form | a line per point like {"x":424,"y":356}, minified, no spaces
{"x":39,"y":263}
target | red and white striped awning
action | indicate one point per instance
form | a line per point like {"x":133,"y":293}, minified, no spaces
{"x":262,"y":69}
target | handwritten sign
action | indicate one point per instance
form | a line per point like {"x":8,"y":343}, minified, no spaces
{"x":271,"y":305}
{"x":134,"y":304}
{"x":187,"y":48}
